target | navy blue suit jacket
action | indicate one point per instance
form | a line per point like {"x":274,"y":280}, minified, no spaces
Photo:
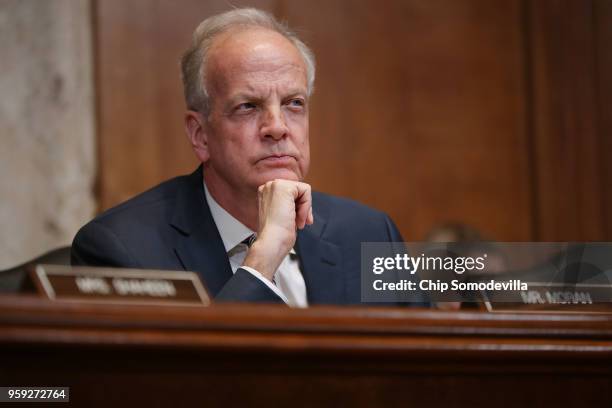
{"x":171,"y":227}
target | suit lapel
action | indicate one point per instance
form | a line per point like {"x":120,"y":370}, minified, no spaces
{"x":199,"y":246}
{"x":321,"y":263}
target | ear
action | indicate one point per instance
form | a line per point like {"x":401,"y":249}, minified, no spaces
{"x":197,"y":133}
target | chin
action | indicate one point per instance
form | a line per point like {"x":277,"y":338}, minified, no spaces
{"x":270,"y":175}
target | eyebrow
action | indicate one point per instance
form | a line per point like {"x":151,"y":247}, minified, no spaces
{"x":243,"y":96}
{"x":297,"y":91}
{"x":253,"y":96}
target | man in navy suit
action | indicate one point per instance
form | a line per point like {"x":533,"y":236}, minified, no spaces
{"x":244,"y":220}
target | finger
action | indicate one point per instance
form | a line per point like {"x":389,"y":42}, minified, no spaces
{"x":303,"y":208}
{"x":303,"y":204}
{"x":261,"y":207}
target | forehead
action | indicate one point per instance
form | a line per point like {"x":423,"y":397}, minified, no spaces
{"x":241,"y":57}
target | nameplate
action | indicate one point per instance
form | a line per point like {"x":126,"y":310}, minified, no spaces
{"x":119,"y":286}
{"x":554,"y":297}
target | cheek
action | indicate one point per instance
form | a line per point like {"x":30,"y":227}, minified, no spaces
{"x":235,"y":139}
{"x":303,"y":145}
{"x":299,"y":128}
{"x":304,"y":139}
{"x":305,"y":165}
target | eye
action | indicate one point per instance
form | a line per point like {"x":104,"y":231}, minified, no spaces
{"x":296,"y":103}
{"x":245,"y":107}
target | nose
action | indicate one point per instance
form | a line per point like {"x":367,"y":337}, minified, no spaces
{"x":273,"y":124}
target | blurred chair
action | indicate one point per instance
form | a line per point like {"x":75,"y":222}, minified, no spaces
{"x":16,"y":279}
{"x":464,"y":235}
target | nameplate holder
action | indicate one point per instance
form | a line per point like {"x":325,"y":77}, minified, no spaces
{"x":119,"y":286}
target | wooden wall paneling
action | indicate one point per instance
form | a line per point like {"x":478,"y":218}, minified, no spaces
{"x":603,"y":41}
{"x":140,"y":100}
{"x":566,"y":138}
{"x":127,"y":92}
{"x":419,"y":110}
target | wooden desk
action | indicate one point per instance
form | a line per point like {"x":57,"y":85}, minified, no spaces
{"x":237,"y":355}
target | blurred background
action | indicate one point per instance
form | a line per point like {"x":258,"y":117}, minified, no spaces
{"x":491,"y":114}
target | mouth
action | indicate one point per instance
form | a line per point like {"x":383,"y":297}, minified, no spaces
{"x":277,"y":160}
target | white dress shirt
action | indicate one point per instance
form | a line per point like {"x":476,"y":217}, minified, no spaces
{"x":288,"y":282}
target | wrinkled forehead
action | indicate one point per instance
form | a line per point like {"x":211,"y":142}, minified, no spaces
{"x":253,"y":54}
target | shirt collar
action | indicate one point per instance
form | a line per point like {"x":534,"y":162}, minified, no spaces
{"x":231,"y":230}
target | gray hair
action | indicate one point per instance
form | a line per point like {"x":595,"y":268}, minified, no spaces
{"x":193,"y":62}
